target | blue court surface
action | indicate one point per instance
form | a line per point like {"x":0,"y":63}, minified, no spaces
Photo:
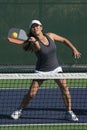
{"x":47,"y":106}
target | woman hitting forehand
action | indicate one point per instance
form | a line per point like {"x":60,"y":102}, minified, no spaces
{"x":44,"y":47}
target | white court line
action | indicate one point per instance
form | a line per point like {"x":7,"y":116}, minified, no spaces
{"x":46,"y":87}
{"x":50,"y":124}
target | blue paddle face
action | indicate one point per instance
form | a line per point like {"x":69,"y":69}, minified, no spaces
{"x":22,"y":35}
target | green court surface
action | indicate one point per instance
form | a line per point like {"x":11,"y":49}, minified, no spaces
{"x":25,"y":83}
{"x":47,"y":127}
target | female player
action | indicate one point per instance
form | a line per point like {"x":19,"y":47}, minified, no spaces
{"x":43,"y":45}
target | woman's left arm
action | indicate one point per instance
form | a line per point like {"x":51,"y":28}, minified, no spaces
{"x":58,"y":38}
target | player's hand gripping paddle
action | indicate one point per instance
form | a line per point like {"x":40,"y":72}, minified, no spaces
{"x":17,"y":35}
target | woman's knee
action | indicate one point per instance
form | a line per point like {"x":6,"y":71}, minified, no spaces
{"x":34,"y":88}
{"x":63,"y":86}
{"x":61,"y":83}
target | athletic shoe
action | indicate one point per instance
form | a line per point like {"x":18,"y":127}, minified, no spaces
{"x":70,"y":115}
{"x":16,"y":114}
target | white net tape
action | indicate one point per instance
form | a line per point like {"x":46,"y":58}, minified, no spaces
{"x":43,"y":76}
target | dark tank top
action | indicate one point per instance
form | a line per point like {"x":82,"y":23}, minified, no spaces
{"x":46,"y":56}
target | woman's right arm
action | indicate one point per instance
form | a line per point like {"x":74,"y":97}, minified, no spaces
{"x":31,"y":45}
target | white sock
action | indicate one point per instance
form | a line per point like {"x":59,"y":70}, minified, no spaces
{"x":69,"y":111}
{"x":20,"y":110}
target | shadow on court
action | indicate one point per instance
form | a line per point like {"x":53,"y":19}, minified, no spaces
{"x":47,"y":107}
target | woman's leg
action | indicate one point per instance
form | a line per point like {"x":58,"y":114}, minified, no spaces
{"x":67,"y":99}
{"x":31,"y":93}
{"x":65,"y":93}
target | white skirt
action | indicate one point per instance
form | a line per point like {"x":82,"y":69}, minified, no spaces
{"x":57,"y":70}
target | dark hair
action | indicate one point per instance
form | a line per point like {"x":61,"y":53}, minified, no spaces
{"x":27,"y":46}
{"x":30,"y":34}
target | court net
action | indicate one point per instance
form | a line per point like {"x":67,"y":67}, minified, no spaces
{"x":47,"y":107}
